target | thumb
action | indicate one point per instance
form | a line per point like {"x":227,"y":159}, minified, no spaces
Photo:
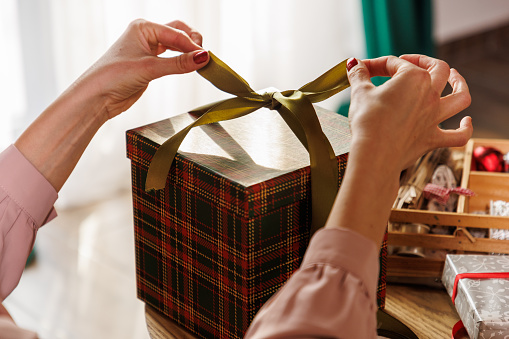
{"x":358,"y":73}
{"x":182,"y":63}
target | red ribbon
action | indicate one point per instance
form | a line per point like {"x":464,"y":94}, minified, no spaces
{"x":486,"y":275}
{"x":459,"y":331}
{"x":458,"y":327}
{"x":441,"y":194}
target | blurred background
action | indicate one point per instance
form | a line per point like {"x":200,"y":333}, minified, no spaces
{"x":82,"y":283}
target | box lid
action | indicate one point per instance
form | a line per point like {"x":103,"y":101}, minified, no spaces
{"x":246,"y":151}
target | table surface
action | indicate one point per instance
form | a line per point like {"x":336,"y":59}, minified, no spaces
{"x":427,"y":311}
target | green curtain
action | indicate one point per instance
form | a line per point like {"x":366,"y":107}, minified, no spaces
{"x":395,"y":27}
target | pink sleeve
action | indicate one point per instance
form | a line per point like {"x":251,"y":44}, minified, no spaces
{"x":332,"y":294}
{"x":26,"y":203}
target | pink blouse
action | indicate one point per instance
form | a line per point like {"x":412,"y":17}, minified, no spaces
{"x":26,"y":203}
{"x":332,"y":295}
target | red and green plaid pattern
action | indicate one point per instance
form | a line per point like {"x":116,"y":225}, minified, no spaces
{"x":210,"y":251}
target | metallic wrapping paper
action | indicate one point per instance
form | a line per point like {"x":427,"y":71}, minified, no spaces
{"x":482,"y":304}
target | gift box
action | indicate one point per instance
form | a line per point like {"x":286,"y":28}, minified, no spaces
{"x":233,"y":221}
{"x":479,"y":286}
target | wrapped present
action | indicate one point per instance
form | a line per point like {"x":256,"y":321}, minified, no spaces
{"x":479,"y":288}
{"x":234,"y":215}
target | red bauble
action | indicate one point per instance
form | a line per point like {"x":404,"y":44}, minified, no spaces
{"x":488,"y":159}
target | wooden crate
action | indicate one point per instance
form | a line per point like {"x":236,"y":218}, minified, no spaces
{"x":487,"y":186}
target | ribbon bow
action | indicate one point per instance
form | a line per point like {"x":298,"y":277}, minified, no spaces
{"x":294,"y":106}
{"x":441,"y":194}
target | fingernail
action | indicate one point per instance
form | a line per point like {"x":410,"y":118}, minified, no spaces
{"x":351,"y":63}
{"x":200,"y":57}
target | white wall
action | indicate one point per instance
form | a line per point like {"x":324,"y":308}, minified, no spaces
{"x":455,"y":19}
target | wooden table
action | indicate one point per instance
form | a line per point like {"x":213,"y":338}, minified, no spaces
{"x":161,"y":327}
{"x":427,"y":311}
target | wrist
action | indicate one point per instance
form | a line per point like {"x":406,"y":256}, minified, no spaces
{"x":54,"y":142}
{"x":88,"y":97}
{"x":368,"y":191}
{"x":372,"y":155}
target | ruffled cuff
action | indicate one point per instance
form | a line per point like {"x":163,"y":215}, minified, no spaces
{"x":348,"y":250}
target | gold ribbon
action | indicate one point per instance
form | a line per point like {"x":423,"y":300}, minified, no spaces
{"x":294,"y":106}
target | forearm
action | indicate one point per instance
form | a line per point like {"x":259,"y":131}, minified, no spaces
{"x":55,"y":141}
{"x":367,"y":193}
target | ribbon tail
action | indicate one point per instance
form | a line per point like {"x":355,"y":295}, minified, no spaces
{"x":163,"y":158}
{"x":324,"y":166}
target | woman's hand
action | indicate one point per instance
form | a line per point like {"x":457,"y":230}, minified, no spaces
{"x":400,"y":118}
{"x":123,"y":73}
{"x":392,"y":126}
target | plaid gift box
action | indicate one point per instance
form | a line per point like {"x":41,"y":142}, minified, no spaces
{"x":479,"y":288}
{"x":233,"y":221}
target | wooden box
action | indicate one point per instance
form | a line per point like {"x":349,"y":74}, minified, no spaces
{"x":487,"y":186}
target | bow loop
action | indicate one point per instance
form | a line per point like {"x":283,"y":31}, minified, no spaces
{"x":226,"y":79}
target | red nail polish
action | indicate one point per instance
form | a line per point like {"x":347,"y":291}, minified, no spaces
{"x":200,"y":57}
{"x":351,"y":63}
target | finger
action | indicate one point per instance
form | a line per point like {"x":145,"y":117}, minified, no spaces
{"x":193,"y":34}
{"x":459,"y":99}
{"x":387,"y":66}
{"x":457,"y":137}
{"x":438,"y":69}
{"x":183,"y":63}
{"x":175,"y":39}
{"x":358,"y":74}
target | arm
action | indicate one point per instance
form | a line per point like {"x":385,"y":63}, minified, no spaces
{"x":55,"y":141}
{"x":34,"y":169}
{"x":333,"y":292}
